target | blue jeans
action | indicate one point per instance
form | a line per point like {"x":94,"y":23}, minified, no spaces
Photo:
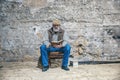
{"x":44,"y":53}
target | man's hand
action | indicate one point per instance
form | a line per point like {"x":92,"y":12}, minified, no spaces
{"x":48,"y":45}
{"x":58,"y":46}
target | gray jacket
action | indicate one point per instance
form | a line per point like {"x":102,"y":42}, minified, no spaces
{"x":46,"y":40}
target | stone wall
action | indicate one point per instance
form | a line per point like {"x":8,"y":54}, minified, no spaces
{"x":93,"y":27}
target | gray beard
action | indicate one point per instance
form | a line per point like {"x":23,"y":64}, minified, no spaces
{"x":56,"y":30}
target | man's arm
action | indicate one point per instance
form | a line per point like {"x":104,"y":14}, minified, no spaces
{"x":46,"y":39}
{"x":65,"y":39}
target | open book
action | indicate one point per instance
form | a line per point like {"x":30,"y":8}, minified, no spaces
{"x":57,"y":42}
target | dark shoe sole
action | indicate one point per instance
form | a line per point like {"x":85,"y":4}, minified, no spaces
{"x":45,"y":68}
{"x":65,"y":68}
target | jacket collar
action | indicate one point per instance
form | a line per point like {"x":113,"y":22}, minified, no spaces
{"x":60,"y":30}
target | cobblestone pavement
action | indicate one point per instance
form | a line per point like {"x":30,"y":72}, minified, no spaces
{"x":29,"y":71}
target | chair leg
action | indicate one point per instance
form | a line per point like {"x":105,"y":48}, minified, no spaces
{"x":49,"y":62}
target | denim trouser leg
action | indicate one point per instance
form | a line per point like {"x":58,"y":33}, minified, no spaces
{"x":66,"y":51}
{"x":44,"y":55}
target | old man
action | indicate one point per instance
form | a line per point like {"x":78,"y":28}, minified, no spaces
{"x":55,"y":40}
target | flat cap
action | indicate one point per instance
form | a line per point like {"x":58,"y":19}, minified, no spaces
{"x":56,"y":22}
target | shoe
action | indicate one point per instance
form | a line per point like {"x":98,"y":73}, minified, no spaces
{"x":45,"y":68}
{"x":65,"y":68}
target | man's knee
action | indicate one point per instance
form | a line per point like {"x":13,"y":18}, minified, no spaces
{"x":42,"y":46}
{"x":67,"y":47}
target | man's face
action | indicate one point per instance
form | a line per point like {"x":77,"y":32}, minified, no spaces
{"x":56,"y":26}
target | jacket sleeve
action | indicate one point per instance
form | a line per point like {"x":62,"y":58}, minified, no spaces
{"x":65,"y":39}
{"x":46,"y":39}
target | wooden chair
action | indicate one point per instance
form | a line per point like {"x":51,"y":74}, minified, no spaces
{"x":51,"y":55}
{"x":55,"y":55}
